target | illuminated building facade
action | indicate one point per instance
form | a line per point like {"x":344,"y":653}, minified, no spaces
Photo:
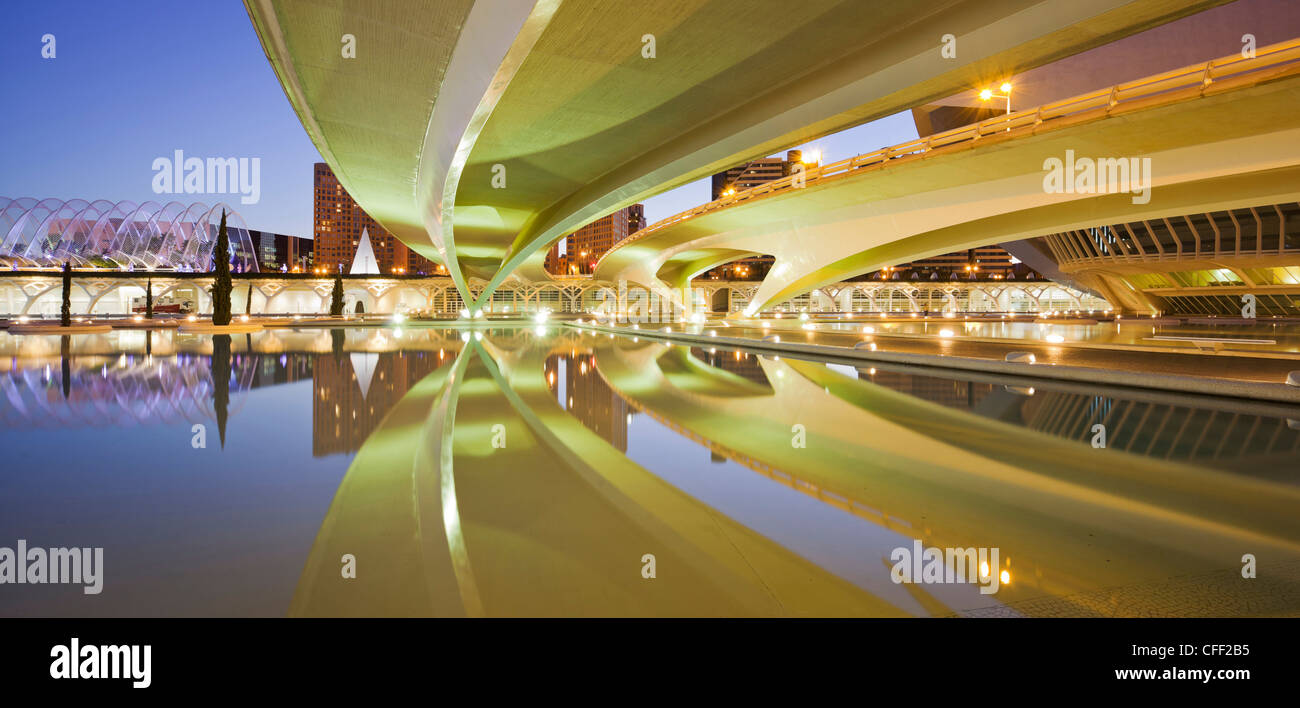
{"x":337,"y":223}
{"x":584,"y":247}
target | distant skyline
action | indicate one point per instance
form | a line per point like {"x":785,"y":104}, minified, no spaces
{"x":132,"y":83}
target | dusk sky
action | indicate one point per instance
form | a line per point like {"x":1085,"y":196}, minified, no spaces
{"x":135,"y":81}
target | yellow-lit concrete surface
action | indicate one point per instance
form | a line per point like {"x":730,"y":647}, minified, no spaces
{"x":1155,"y":356}
{"x":479,"y":132}
{"x":483,"y":495}
{"x":1211,"y":145}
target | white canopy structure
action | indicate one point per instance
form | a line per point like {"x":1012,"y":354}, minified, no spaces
{"x":364,"y":263}
{"x":119,"y":235}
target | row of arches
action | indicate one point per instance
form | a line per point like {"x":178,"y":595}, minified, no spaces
{"x":868,"y":297}
{"x":42,"y":296}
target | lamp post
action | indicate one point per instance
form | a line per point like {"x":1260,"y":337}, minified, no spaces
{"x":1005,"y":89}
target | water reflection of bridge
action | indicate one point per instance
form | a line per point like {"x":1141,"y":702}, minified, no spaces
{"x":961,"y":464}
{"x":462,"y":527}
{"x":1247,"y":442}
{"x":910,"y":466}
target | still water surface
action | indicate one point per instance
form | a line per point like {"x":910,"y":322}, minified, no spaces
{"x":530,"y":471}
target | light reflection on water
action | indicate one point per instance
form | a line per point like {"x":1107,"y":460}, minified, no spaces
{"x":528,"y":474}
{"x":1285,"y":336}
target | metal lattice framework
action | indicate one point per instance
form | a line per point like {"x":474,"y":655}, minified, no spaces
{"x":1251,"y":233}
{"x":122,"y":235}
{"x":161,"y":391}
{"x":1199,"y":263}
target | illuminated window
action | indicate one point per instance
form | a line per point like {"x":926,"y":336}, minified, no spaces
{"x":1144,"y":281}
{"x":1285,"y":275}
{"x":1205,"y":278}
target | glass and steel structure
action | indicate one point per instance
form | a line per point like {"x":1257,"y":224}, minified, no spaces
{"x":1195,"y":264}
{"x":121,"y":236}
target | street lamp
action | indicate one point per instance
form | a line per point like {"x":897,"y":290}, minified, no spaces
{"x":1005,"y":88}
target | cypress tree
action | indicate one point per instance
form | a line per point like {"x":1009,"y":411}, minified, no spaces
{"x":336,"y":344}
{"x":248,"y":301}
{"x":65,"y":311}
{"x":220,"y":363}
{"x":222,"y":287}
{"x":65,"y":356}
{"x":148,"y":298}
{"x":336,"y":298}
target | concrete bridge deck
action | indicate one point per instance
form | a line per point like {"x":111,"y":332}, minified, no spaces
{"x":1218,"y":135}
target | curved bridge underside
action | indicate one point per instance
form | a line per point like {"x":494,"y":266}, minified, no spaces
{"x":479,"y":132}
{"x":1235,"y":146}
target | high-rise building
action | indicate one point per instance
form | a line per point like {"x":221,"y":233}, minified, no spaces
{"x":276,"y":252}
{"x":584,"y":247}
{"x":754,"y":173}
{"x":337,"y":224}
{"x":635,"y":218}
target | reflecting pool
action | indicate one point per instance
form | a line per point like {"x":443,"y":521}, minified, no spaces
{"x":547,"y":471}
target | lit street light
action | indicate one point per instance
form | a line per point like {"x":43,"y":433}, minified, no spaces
{"x":1005,"y":88}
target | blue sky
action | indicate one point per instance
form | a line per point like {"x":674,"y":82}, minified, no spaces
{"x":135,"y":81}
{"x":891,"y":130}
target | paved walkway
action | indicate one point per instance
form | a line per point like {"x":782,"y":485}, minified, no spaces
{"x":1227,"y":373}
